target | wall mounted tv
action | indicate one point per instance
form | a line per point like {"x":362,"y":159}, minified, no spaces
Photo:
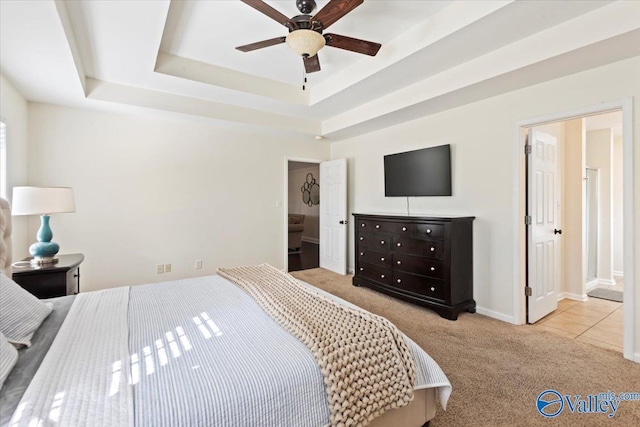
{"x":425,"y":172}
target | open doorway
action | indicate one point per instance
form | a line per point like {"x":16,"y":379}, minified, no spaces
{"x":574,"y":232}
{"x":303,"y":215}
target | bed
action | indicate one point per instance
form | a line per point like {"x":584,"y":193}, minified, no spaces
{"x":199,"y":351}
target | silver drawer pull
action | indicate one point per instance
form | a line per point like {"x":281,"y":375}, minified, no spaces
{"x":399,"y":280}
{"x":404,"y":228}
{"x":377,"y":226}
{"x":433,"y":269}
{"x":433,"y":289}
{"x":428,"y":231}
{"x":382,"y":242}
{"x":382,"y":259}
{"x":362,"y":238}
{"x":398,"y":262}
{"x":361,"y":253}
{"x":432,"y":249}
{"x":361,"y":268}
{"x":399,"y":244}
{"x":382,"y":276}
{"x":363,"y":224}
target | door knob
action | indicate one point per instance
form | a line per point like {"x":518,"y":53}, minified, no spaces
{"x":556,"y":231}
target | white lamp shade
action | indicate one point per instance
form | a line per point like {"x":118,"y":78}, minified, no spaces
{"x":305,"y":42}
{"x":42,"y":200}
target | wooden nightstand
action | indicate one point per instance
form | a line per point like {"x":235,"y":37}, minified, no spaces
{"x":49,"y":281}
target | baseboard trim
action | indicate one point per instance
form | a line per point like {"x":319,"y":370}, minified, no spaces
{"x":619,"y":274}
{"x":495,"y":315}
{"x":592,"y":285}
{"x":572,"y":296}
{"x":311,"y":240}
{"x":606,"y":282}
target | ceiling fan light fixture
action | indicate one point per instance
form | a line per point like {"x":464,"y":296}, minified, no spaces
{"x":305,"y":42}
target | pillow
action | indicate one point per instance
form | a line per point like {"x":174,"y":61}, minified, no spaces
{"x":20,"y":312}
{"x":8,"y":358}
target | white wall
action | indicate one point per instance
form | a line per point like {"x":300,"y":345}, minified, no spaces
{"x":482,"y":136}
{"x":297,"y":178}
{"x":14,"y":112}
{"x":152,"y":191}
{"x":618,"y":235}
{"x":599,"y":155}
{"x":573,"y":217}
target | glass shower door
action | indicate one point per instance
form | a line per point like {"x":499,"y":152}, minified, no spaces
{"x":591,"y":219}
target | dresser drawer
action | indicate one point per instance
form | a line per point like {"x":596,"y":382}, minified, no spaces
{"x":418,"y":284}
{"x":434,"y":231}
{"x":375,"y":273}
{"x":380,"y":242}
{"x":426,"y":248}
{"x":385,"y":227}
{"x":367,"y":255}
{"x":418,"y":265}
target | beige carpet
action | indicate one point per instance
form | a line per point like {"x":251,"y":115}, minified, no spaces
{"x":497,"y":370}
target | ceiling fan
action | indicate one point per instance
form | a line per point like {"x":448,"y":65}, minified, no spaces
{"x":305,"y":36}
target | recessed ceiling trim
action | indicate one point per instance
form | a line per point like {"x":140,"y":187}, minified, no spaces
{"x":113,"y":92}
{"x":601,"y":24}
{"x":446,"y":22}
{"x":177,"y":66}
{"x":67,"y":28}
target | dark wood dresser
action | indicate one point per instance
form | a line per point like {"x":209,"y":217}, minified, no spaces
{"x":425,"y":260}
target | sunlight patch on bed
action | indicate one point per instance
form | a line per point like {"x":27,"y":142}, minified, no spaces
{"x":186,"y":345}
{"x":54,"y":413}
{"x":200,"y":322}
{"x":115,"y":378}
{"x":148,"y":361}
{"x":173,"y":345}
{"x":135,"y":369}
{"x":162,"y":353}
{"x":214,"y":328}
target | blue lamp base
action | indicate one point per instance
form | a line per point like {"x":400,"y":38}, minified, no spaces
{"x":44,"y":250}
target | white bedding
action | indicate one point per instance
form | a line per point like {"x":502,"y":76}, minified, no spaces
{"x":183,"y":353}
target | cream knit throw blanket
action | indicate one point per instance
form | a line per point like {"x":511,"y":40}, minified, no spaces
{"x":367,"y":366}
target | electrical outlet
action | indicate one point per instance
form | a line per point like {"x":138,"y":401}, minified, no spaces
{"x":159,"y":269}
{"x":167,"y":268}
{"x":198,"y":264}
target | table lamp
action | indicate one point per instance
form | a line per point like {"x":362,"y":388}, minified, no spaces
{"x":43,"y":201}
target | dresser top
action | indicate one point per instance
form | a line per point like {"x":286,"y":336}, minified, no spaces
{"x":404,"y":216}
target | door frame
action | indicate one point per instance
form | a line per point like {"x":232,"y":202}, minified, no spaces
{"x":631,"y":324}
{"x":285,"y":203}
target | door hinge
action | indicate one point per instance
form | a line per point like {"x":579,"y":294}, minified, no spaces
{"x":527,"y":220}
{"x":527,"y":149}
{"x":528,"y":291}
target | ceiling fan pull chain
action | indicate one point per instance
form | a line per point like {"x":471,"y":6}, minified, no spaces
{"x":304,"y":77}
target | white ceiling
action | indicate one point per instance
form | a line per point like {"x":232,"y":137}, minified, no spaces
{"x":179,"y":57}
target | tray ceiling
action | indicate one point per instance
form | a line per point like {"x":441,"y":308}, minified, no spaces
{"x":179,"y":57}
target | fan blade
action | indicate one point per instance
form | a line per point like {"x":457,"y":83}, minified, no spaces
{"x":311,"y":63}
{"x":260,"y":45}
{"x":354,"y":45}
{"x":335,"y":10}
{"x":269,"y":11}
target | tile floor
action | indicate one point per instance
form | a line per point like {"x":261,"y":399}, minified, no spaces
{"x":596,"y":321}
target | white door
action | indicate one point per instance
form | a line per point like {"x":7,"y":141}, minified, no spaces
{"x":543,"y":232}
{"x":333,"y":215}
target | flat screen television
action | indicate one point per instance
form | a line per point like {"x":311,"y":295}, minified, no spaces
{"x":425,"y":172}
